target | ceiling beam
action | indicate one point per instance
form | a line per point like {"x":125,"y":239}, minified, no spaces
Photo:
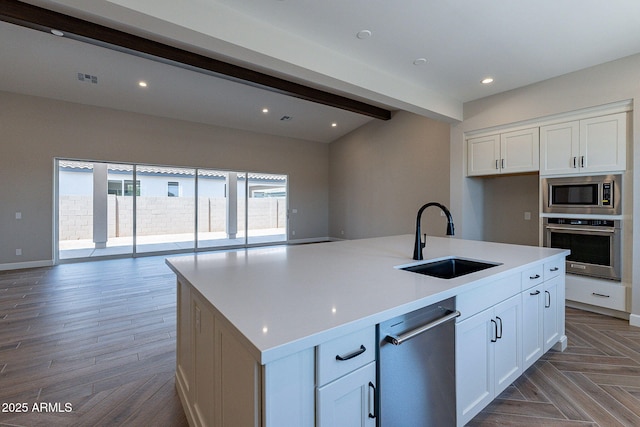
{"x":41,"y":19}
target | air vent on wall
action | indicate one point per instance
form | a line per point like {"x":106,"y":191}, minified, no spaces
{"x":87,"y":78}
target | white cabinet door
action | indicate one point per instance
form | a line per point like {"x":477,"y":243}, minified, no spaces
{"x":552,"y":312}
{"x":474,"y":365}
{"x":483,"y":155}
{"x":532,"y":325}
{"x":204,"y":396}
{"x":559,"y":148}
{"x":597,"y":144}
{"x":510,"y":152}
{"x":349,"y":400}
{"x":603,"y":143}
{"x":488,"y":356}
{"x":508,"y":347}
{"x":520,"y":151}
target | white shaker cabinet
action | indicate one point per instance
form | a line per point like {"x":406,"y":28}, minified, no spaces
{"x":349,"y":400}
{"x":542,"y":310}
{"x":509,"y":152}
{"x":346,"y":380}
{"x":552,"y":312}
{"x":532,"y":325}
{"x":488,"y":356}
{"x":591,"y":145}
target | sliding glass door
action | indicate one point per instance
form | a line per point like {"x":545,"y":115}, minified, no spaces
{"x":219,"y":209}
{"x":266,"y":208}
{"x":111,"y":209}
{"x":165,"y":209}
{"x":95,"y":209}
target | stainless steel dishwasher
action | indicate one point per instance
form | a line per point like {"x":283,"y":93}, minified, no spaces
{"x":416,"y":368}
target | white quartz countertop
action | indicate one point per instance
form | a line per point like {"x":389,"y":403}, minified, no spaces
{"x":289,"y":298}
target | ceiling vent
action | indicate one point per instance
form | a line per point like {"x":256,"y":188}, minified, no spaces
{"x":87,"y":78}
{"x":286,"y":118}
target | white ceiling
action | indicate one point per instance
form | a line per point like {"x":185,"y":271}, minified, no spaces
{"x":41,"y":64}
{"x":515,"y":42}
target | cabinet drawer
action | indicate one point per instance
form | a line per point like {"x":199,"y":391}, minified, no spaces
{"x":532,"y":277}
{"x":479,"y":299}
{"x":554,"y":268}
{"x":342,"y":355}
{"x":595,"y":292}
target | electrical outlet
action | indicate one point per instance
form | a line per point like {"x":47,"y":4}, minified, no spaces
{"x":18,"y":252}
{"x":18,"y":215}
{"x":527,"y":216}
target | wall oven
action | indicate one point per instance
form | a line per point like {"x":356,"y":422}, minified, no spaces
{"x":598,"y":194}
{"x":595,"y":245}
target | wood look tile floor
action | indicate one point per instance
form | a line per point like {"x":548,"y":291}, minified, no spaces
{"x":595,"y":382}
{"x":100,"y":337}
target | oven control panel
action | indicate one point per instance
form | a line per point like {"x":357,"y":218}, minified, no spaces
{"x":578,"y":221}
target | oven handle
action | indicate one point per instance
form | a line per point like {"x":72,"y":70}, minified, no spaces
{"x":590,"y":230}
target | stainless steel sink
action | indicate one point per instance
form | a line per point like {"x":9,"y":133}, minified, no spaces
{"x":448,"y":268}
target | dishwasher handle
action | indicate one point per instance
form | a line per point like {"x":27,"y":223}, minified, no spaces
{"x":397,"y":340}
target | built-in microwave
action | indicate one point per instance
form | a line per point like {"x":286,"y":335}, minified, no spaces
{"x":598,"y":194}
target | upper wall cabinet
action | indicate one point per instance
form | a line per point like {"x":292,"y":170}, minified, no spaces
{"x":510,"y":152}
{"x":591,"y":145}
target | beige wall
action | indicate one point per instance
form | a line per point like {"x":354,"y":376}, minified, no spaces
{"x":33,"y":131}
{"x":599,"y":85}
{"x":506,"y":200}
{"x":381,"y":173}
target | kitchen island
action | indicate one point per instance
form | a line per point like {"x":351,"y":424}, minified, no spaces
{"x":252,"y":323}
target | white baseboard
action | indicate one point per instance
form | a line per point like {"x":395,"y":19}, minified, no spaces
{"x":634,"y":320}
{"x":562,"y":344}
{"x":310,"y":240}
{"x":28,"y":264}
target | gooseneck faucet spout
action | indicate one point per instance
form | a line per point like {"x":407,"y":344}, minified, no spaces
{"x":419,"y":244}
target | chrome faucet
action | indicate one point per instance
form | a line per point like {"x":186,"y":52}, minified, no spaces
{"x":419,"y":244}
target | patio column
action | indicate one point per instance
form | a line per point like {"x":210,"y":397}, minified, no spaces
{"x":232,"y":205}
{"x":100,"y":200}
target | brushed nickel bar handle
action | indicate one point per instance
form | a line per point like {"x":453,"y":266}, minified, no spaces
{"x":397,"y":340}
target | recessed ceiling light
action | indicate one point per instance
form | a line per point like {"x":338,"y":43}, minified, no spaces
{"x":364,"y":34}
{"x":419,"y":61}
{"x":142,"y":84}
{"x":487,"y":80}
{"x":333,"y":125}
{"x":265,"y":110}
{"x":57,"y":33}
